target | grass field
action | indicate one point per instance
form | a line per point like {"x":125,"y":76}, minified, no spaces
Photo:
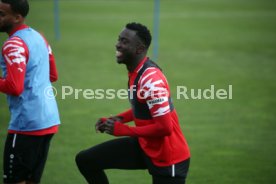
{"x":202,"y":43}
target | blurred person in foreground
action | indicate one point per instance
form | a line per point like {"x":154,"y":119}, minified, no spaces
{"x":28,"y":67}
{"x":156,"y":143}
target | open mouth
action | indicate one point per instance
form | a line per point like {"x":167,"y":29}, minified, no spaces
{"x":118,"y":53}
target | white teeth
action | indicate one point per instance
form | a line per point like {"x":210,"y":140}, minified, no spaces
{"x":118,"y":53}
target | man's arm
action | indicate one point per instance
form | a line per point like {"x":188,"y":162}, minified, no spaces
{"x":52,"y":62}
{"x":155,"y":90}
{"x":126,"y":116}
{"x":162,"y":126}
{"x":53,"y":68}
{"x":15,"y":53}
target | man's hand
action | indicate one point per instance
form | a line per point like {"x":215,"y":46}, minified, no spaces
{"x":100,"y":125}
{"x":109,"y":126}
{"x":106,"y":125}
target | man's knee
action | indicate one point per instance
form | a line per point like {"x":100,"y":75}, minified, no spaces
{"x":79,"y":159}
{"x":86,"y":160}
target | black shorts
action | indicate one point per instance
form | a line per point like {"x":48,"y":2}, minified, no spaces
{"x":25,"y":157}
{"x":179,"y":170}
{"x":173,"y":174}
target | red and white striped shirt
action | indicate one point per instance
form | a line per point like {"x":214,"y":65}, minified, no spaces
{"x":160,"y":136}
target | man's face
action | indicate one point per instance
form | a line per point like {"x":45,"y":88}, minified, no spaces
{"x":126,"y":47}
{"x":7,"y":18}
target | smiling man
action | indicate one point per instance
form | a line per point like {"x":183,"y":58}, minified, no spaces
{"x":156,"y":142}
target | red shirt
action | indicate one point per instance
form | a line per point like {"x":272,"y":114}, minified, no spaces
{"x":160,"y":137}
{"x":13,"y":84}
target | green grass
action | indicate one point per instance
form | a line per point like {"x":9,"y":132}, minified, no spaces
{"x":202,"y":43}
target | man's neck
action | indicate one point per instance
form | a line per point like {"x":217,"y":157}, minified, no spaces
{"x":131,"y":67}
{"x":15,"y":28}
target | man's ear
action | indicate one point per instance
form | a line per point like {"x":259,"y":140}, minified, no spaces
{"x":140,"y":48}
{"x":18,"y":18}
